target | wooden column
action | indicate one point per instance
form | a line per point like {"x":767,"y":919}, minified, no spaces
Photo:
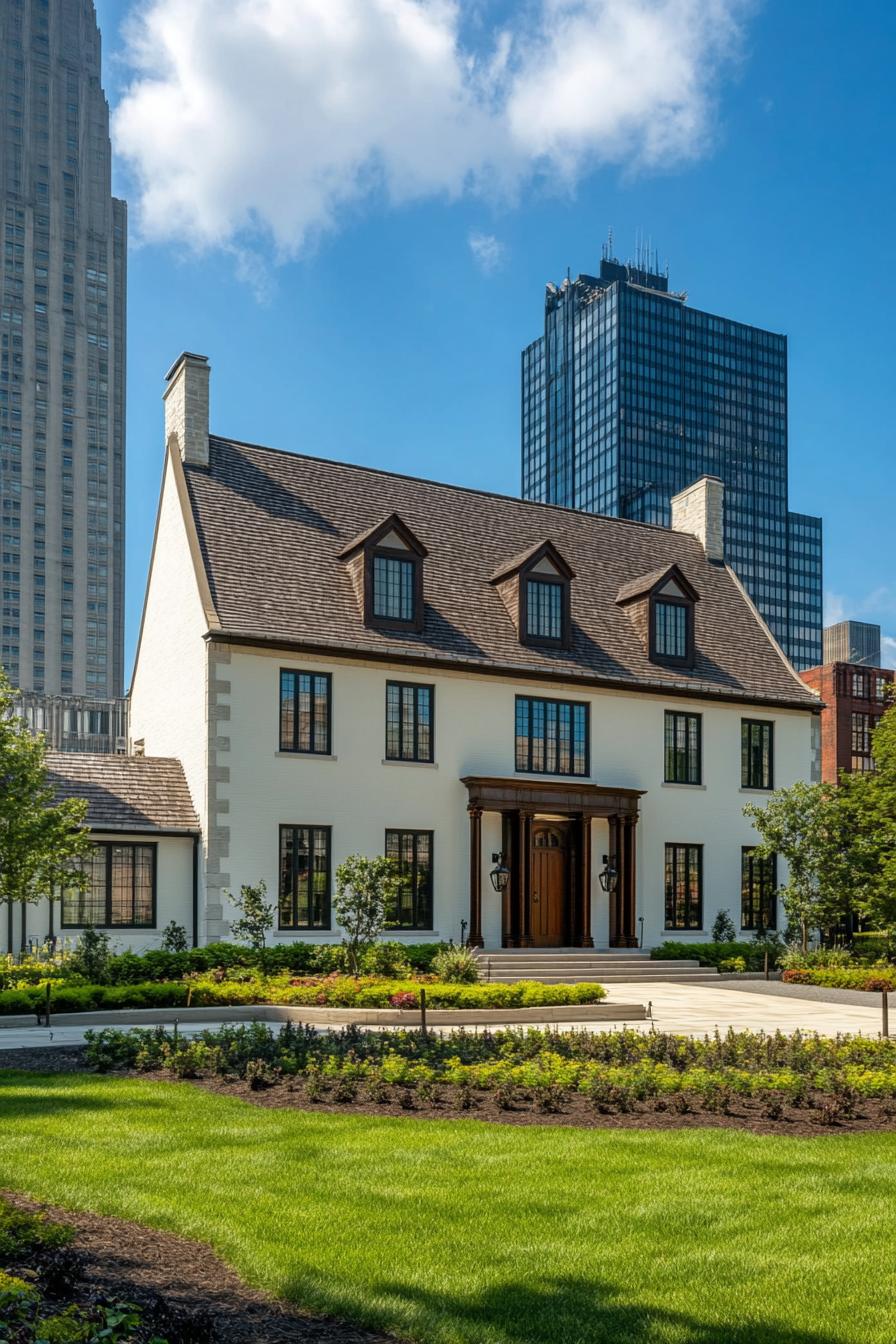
{"x":583,"y":932}
{"x":474,"y":933}
{"x":524,"y":865}
{"x":615,"y":897}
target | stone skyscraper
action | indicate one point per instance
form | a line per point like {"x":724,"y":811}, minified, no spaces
{"x":62,"y":357}
{"x":630,"y":395}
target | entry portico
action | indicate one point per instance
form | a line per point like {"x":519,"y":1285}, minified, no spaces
{"x":546,"y":829}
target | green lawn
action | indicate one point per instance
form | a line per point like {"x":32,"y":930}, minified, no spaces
{"x":457,"y":1231}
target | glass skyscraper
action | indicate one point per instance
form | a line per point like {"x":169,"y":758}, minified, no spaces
{"x":630,"y":395}
{"x":62,"y":357}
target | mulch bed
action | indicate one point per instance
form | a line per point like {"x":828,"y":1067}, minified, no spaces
{"x":794,"y":1122}
{"x":134,"y":1263}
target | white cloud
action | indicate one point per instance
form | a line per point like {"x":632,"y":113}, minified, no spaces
{"x":834,"y":608}
{"x":888,"y":651}
{"x":487,"y":250}
{"x":253,"y":120}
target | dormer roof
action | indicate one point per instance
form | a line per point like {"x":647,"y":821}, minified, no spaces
{"x":391,"y":531}
{"x":668,"y":580}
{"x":541,"y":556}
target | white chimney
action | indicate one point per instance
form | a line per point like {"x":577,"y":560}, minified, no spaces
{"x":186,"y":407}
{"x":699,"y":509}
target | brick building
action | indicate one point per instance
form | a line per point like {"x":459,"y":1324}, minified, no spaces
{"x":855,"y":697}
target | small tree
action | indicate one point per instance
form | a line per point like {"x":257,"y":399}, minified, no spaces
{"x":723,"y":930}
{"x":256,"y":916}
{"x":808,"y":826}
{"x":870,"y":804}
{"x":364,"y":889}
{"x":174,"y":937}
{"x":42,"y":842}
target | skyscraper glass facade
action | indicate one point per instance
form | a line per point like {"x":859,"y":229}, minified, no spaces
{"x":630,"y":395}
{"x":62,"y":357}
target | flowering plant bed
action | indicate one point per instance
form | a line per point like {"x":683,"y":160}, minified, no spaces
{"x":872,"y":979}
{"x":234,"y":989}
{"x":807,"y":1081}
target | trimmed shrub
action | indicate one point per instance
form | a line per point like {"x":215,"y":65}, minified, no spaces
{"x":713,"y":954}
{"x":869,"y":979}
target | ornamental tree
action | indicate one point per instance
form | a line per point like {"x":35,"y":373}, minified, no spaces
{"x":809,"y":826}
{"x":256,"y":916}
{"x":364,"y":889}
{"x":42,"y":843}
{"x":870,"y":802}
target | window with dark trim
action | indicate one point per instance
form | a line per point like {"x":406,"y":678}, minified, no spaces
{"x":684,"y":886}
{"x":409,"y":721}
{"x":758,"y":890}
{"x":305,"y":711}
{"x":670,"y":630}
{"x":545,"y":601}
{"x":393,"y":587}
{"x":304,"y":901}
{"x":862,"y":728}
{"x":412,"y":906}
{"x":551,"y":736}
{"x":683,"y":748}
{"x":120,"y":891}
{"x":757,"y":754}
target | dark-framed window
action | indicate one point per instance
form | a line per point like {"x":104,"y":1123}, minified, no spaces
{"x":394,"y":585}
{"x":862,"y":727}
{"x":758,"y":890}
{"x":412,"y":851}
{"x":545,"y":610}
{"x":757,"y":754}
{"x":683,"y":748}
{"x":672,"y":630}
{"x":409,"y":721}
{"x":551,"y":736}
{"x":120,"y":891}
{"x":306,"y":712}
{"x":304,"y":901}
{"x":684,"y":886}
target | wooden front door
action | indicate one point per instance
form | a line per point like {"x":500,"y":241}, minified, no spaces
{"x":548,"y":883}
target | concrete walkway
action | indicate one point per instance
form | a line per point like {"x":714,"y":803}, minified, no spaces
{"x":687,"y":1009}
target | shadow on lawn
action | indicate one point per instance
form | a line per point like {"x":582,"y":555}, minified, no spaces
{"x":560,"y":1311}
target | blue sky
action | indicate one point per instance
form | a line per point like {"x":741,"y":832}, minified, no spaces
{"x":352,"y":208}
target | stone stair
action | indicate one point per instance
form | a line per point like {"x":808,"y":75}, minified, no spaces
{"x":570,"y":966}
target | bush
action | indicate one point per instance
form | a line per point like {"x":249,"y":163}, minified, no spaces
{"x":457,"y":965}
{"x":174,"y":937}
{"x":723,"y":930}
{"x":731,"y":964}
{"x":91,"y":958}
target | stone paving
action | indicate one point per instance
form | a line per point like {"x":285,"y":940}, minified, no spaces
{"x":688,"y":1009}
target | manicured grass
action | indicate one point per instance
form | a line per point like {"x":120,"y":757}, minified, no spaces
{"x":457,"y":1231}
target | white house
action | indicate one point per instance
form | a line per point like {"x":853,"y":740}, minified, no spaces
{"x":349,"y":661}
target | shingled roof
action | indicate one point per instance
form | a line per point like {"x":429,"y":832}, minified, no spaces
{"x":125,"y":793}
{"x":270,"y":527}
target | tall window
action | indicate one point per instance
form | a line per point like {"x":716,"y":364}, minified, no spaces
{"x":684,"y":886}
{"x":304,"y":877}
{"x":757,"y":765}
{"x":409,"y":721}
{"x":862,"y":727}
{"x":670,"y":639}
{"x":683,"y":748}
{"x":551,"y":736}
{"x":412,"y":851}
{"x":544,"y":609}
{"x":305,"y":712}
{"x":120,"y":892}
{"x":393,"y":588}
{"x":758,"y":891}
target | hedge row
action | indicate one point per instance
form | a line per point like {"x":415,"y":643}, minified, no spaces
{"x":712,"y":954}
{"x":297,"y":958}
{"x":864,"y":978}
{"x":336,"y":992}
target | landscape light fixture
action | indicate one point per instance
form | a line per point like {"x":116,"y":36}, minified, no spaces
{"x":609,"y":876}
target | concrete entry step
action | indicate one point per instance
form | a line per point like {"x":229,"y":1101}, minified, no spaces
{"x":557,"y":966}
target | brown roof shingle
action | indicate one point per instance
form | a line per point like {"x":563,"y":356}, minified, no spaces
{"x":125,"y":793}
{"x":271,"y":525}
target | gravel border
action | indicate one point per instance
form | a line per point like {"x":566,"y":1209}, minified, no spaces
{"x":857,"y":997}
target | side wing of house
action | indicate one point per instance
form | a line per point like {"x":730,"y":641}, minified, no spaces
{"x":169,"y":693}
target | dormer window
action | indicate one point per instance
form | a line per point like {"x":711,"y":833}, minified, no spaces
{"x":393,"y":587}
{"x":535,"y":589}
{"x":661,"y":608}
{"x":386,"y":568}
